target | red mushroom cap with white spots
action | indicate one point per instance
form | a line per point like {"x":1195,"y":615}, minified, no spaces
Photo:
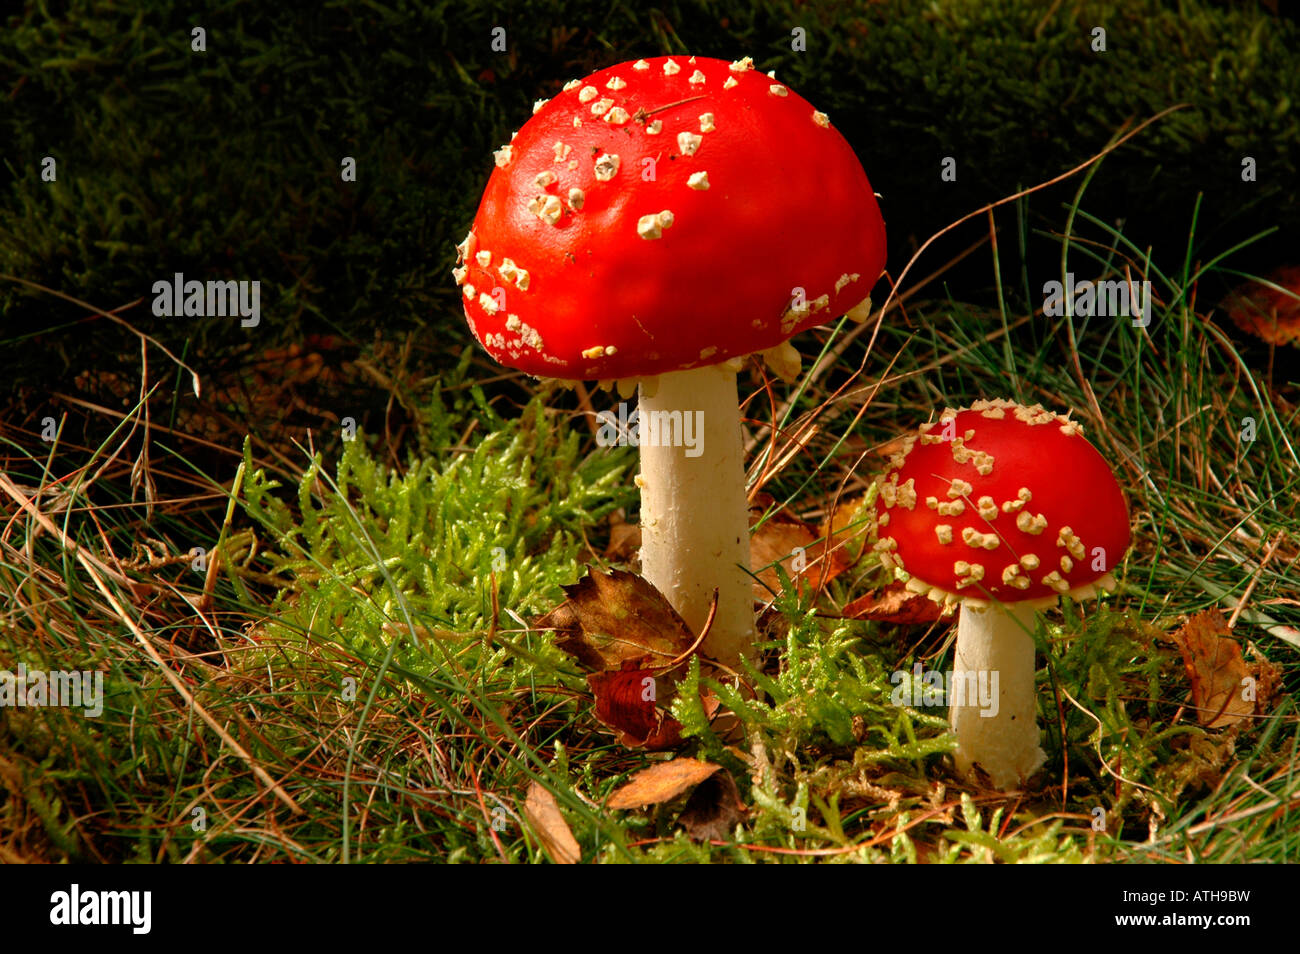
{"x":667,"y":214}
{"x":1001,"y":502}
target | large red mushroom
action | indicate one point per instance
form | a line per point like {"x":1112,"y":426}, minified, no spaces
{"x":655,"y":223}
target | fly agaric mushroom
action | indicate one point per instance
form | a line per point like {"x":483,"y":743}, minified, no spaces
{"x":1003,"y":509}
{"x":653,"y":224}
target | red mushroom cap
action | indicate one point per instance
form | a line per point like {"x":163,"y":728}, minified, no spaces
{"x":1001,"y":502}
{"x":667,"y":214}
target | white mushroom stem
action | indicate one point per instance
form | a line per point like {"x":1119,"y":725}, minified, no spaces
{"x":694,"y":512}
{"x":997,"y":725}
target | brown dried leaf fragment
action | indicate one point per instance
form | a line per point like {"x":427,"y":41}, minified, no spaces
{"x":626,"y":702}
{"x":894,"y":604}
{"x":1265,"y":312}
{"x":848,"y":526}
{"x":550,"y":827}
{"x":794,"y":545}
{"x":1216,"y":670}
{"x":624,"y":540}
{"x":616,"y":617}
{"x":661,"y":783}
{"x":713,"y":810}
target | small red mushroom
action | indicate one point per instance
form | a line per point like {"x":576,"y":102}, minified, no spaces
{"x":655,"y":223}
{"x":1003,"y":509}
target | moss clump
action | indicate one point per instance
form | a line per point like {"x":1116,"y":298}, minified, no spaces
{"x":504,"y":520}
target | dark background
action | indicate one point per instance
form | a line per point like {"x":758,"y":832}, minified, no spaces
{"x":225,"y":163}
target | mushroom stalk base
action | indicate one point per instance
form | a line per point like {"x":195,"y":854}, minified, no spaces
{"x":694,"y":512}
{"x":996,"y":724}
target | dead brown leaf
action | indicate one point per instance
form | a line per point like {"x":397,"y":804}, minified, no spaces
{"x":625,"y":701}
{"x":848,"y":526}
{"x":1215,"y":668}
{"x":894,"y":604}
{"x":620,"y":626}
{"x":550,"y":827}
{"x":1266,"y":313}
{"x":616,"y":617}
{"x":714,"y":808}
{"x":624,"y":539}
{"x":661,"y":782}
{"x":794,"y":545}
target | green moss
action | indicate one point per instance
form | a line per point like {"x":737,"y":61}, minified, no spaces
{"x":510,"y":514}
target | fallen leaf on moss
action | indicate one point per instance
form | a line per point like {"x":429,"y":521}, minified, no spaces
{"x":616,"y":617}
{"x":1216,"y":670}
{"x":626,"y":702}
{"x":550,"y":827}
{"x":713,"y":810}
{"x":618,"y":625}
{"x":661,"y":783}
{"x":894,"y":604}
{"x":794,"y":545}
